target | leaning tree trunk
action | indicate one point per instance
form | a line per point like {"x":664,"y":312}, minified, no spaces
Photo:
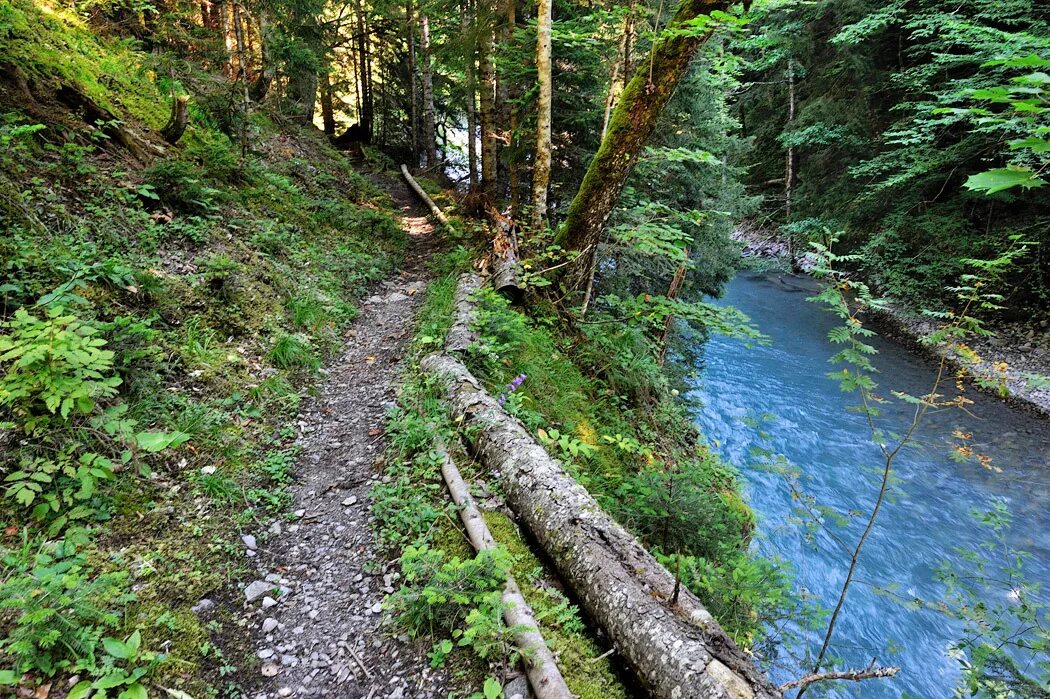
{"x":676,"y":651}
{"x":632,"y":123}
{"x":541,"y":166}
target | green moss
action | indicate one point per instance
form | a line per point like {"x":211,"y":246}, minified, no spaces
{"x":577,"y":651}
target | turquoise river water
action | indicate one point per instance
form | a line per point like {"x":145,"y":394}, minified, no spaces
{"x":931,"y":514}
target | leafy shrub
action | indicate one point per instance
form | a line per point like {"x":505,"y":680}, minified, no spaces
{"x":219,"y":273}
{"x":179,"y":185}
{"x":442,"y":595}
{"x":56,"y":374}
{"x":54,"y":609}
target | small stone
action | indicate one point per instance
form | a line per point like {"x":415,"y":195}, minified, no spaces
{"x":256,"y":590}
{"x":249,"y":541}
{"x":275,"y":529}
{"x":284,"y":692}
{"x":270,"y":670}
{"x":377,"y":607}
{"x":299,"y":514}
{"x":268,"y":602}
{"x":269,"y":624}
{"x":350,"y":501}
{"x":265,"y":653}
{"x":203,"y":607}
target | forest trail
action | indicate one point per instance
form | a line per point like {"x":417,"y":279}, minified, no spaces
{"x":321,"y":634}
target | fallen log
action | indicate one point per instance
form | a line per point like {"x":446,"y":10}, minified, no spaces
{"x":503,"y":255}
{"x":541,"y":668}
{"x":677,"y":651}
{"x":97,"y":116}
{"x":434,"y":209}
{"x":461,"y":335}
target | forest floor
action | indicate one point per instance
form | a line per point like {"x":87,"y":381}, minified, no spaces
{"x":317,"y":604}
{"x":1022,"y":348}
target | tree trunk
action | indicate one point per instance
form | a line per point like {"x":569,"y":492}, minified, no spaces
{"x":365,"y":72}
{"x":620,"y":68}
{"x":632,"y":123}
{"x":413,"y":105}
{"x":262,"y":82}
{"x":541,"y":164}
{"x":512,"y":156}
{"x":176,"y":125}
{"x":487,"y":104}
{"x":790,"y":166}
{"x":242,"y":76}
{"x":675,"y":651}
{"x":471,"y":89}
{"x":327,"y":110}
{"x":429,"y":127}
{"x":672,"y":293}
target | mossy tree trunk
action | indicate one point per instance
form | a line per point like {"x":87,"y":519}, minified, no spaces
{"x":630,"y":127}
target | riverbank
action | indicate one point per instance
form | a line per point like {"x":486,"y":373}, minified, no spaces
{"x":1013,"y":359}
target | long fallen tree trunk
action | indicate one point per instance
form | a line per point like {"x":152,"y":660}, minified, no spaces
{"x":676,"y":651}
{"x":434,"y":208}
{"x":541,"y":668}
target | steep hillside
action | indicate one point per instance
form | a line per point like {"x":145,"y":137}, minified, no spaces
{"x":165,"y":309}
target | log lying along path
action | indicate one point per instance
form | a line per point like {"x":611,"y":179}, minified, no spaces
{"x":677,"y":652}
{"x":541,"y":668}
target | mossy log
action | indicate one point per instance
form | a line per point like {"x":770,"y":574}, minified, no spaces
{"x":630,"y":127}
{"x":101,"y":118}
{"x":542,"y":670}
{"x":677,"y":651}
{"x":461,"y":335}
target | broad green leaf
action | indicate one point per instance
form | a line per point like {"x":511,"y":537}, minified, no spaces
{"x":1002,"y":179}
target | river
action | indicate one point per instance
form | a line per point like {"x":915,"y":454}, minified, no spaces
{"x":931,"y":514}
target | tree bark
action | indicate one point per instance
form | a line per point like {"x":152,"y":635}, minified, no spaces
{"x":487,"y":104}
{"x":327,"y":109}
{"x":242,"y":76}
{"x":471,"y":90}
{"x":630,"y":127}
{"x":462,"y":334}
{"x":620,"y":68}
{"x":434,"y":208}
{"x":790,"y":166}
{"x":541,"y":668}
{"x":413,"y":103}
{"x":176,"y":125}
{"x":429,"y":127}
{"x":262,"y":82}
{"x":541,"y":164}
{"x":676,"y":652}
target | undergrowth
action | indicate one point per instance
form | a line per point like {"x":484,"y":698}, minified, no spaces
{"x":159,"y":325}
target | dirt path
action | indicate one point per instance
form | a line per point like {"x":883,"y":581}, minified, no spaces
{"x":316,"y":615}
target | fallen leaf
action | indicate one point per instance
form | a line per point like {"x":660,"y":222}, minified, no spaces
{"x":375,"y":431}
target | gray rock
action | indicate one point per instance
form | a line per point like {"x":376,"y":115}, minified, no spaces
{"x":265,"y":653}
{"x":268,"y":602}
{"x":269,"y":624}
{"x":203,"y":607}
{"x":257,"y":589}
